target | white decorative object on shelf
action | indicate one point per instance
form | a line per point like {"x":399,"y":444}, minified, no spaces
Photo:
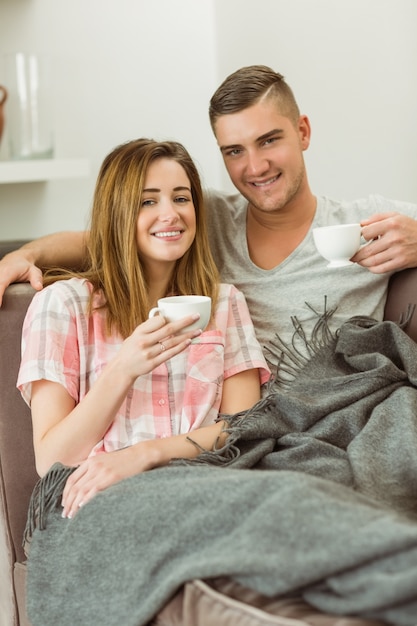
{"x":42,"y":170}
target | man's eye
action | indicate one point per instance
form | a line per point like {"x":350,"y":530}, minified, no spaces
{"x":233,"y":152}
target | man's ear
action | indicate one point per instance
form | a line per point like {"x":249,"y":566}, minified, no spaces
{"x":304,"y":130}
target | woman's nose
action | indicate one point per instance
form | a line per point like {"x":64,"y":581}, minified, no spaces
{"x":168,"y":212}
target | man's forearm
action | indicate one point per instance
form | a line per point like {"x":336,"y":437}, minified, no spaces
{"x":26,"y":264}
{"x":65,"y":249}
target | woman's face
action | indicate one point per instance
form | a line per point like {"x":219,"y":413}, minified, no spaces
{"x":166,"y":222}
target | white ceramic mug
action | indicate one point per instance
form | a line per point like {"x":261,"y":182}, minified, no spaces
{"x":174,"y":308}
{"x":338,"y":243}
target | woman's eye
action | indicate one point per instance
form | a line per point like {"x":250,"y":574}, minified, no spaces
{"x":148,"y":202}
{"x":182,"y":199}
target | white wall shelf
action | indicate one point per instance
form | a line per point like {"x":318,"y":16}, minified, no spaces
{"x":42,"y":170}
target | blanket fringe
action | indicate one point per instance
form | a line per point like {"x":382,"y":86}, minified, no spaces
{"x":291,"y":359}
{"x":240,"y":427}
{"x":217,"y":456}
{"x":45,"y":496}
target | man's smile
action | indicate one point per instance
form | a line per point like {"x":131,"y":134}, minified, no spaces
{"x":264,"y":183}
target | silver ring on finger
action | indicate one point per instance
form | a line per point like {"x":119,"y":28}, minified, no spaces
{"x":161,"y":345}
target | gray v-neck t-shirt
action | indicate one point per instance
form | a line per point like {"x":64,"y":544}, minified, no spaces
{"x":301,"y":288}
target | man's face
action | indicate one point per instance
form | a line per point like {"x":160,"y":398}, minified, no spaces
{"x":263,"y":154}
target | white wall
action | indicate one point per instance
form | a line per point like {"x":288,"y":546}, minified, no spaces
{"x":126,"y":68}
{"x":353,"y":67}
{"x":123,"y":69}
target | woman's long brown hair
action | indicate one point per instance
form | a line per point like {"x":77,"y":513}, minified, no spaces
{"x":113,"y":265}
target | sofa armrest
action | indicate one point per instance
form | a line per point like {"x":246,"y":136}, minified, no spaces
{"x":17,"y":465}
{"x":402,"y":294}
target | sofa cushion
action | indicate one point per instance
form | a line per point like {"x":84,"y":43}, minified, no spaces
{"x":221,"y":601}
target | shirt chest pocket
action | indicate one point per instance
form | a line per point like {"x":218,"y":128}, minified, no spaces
{"x":204,"y":382}
{"x":206,"y":357}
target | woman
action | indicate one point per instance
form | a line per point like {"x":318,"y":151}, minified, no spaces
{"x":111,"y":391}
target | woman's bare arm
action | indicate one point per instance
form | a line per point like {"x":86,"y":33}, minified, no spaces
{"x":99,"y":472}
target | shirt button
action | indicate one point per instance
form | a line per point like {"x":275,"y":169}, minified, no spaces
{"x":161,"y":402}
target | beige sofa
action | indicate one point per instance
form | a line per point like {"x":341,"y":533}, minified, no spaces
{"x":199,"y":603}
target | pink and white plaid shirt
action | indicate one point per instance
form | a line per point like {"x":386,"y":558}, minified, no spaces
{"x":63,"y":343}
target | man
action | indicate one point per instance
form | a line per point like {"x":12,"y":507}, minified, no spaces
{"x":261,"y":237}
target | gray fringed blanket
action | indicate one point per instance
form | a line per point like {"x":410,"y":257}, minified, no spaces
{"x":314,"y":493}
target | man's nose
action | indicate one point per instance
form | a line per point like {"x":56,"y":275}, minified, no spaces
{"x":256,"y":164}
